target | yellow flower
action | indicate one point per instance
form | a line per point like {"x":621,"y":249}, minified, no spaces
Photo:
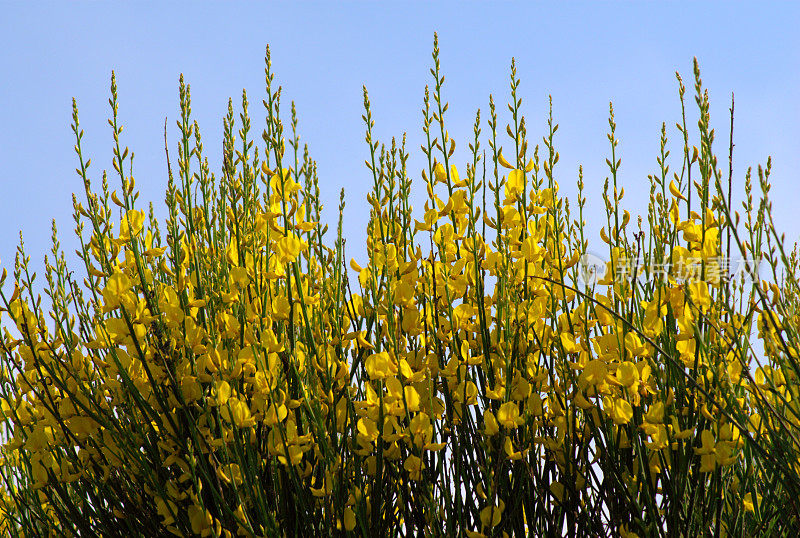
{"x":380,"y":365}
{"x":677,"y":433}
{"x":412,"y":398}
{"x":594,"y":373}
{"x":503,"y":161}
{"x":691,"y":231}
{"x":431,"y":216}
{"x":241,"y":413}
{"x":653,"y":318}
{"x":618,"y":409}
{"x":466,"y":392}
{"x":421,"y":429}
{"x":698,"y":291}
{"x":200,"y":519}
{"x":655,"y":415}
{"x":281,"y":308}
{"x":709,"y":443}
{"x":287,"y":248}
{"x":508,"y":448}
{"x":414,"y":466}
{"x":132,"y":224}
{"x":491,"y":515}
{"x":191,"y":389}
{"x":546,"y":197}
{"x":118,"y":285}
{"x":532,"y":252}
{"x":440,"y":173}
{"x":710,"y":242}
{"x":515,"y":183}
{"x":404,"y":294}
{"x":165,"y":510}
{"x":454,"y":176}
{"x":349,"y":519}
{"x":748,"y":503}
{"x":508,"y":415}
{"x":237,"y":412}
{"x":568,"y":342}
{"x":628,"y":375}
{"x":410,"y":375}
{"x":490,"y":423}
{"x":368,"y":429}
{"x":673,"y":188}
{"x":239,"y":276}
{"x":223,"y":392}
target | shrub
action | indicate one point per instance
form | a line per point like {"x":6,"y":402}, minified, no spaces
{"x":220,"y":374}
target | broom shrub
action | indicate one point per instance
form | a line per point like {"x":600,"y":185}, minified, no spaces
{"x":227,"y":371}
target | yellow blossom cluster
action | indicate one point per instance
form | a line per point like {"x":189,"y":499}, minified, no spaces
{"x":229,"y":376}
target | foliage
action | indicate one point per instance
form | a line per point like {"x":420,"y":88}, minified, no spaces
{"x":220,"y":376}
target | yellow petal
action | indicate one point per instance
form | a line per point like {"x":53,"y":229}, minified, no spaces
{"x":135,"y":221}
{"x":490,"y":516}
{"x":349,"y":519}
{"x":441,"y":173}
{"x":603,"y":235}
{"x":223,"y":392}
{"x":515,"y":183}
{"x":508,"y":415}
{"x":503,"y":162}
{"x":675,"y":192}
{"x":490,"y":423}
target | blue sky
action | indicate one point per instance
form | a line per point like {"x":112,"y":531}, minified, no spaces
{"x":583,"y":54}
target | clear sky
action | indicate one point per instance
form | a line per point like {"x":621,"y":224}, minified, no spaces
{"x":584,"y":54}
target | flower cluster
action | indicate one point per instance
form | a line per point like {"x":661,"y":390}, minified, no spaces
{"x":229,"y":376}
